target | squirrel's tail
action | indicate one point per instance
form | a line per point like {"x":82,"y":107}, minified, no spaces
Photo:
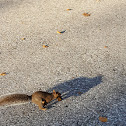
{"x":14,"y":99}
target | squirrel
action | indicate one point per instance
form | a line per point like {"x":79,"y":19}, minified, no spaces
{"x":39,"y":98}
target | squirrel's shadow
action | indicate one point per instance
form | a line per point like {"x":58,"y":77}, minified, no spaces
{"x":75,"y":87}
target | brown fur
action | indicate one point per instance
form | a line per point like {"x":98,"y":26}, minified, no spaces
{"x":14,"y":99}
{"x":40,"y":98}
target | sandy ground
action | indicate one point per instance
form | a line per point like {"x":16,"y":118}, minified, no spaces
{"x":86,"y":63}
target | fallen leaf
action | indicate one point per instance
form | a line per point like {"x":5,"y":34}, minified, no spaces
{"x":105,"y":46}
{"x":3,"y":74}
{"x":45,"y":46}
{"x":68,"y":9}
{"x":103,"y":119}
{"x":61,"y":32}
{"x":58,"y":32}
{"x":23,"y":38}
{"x":86,"y":14}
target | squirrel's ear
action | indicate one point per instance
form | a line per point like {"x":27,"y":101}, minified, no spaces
{"x":54,"y":91}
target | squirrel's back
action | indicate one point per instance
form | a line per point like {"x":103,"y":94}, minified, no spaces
{"x":14,"y":99}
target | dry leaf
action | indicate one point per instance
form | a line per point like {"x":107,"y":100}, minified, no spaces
{"x":58,"y":32}
{"x":86,"y":14}
{"x":3,"y":74}
{"x":68,"y":9}
{"x":45,"y":46}
{"x":103,"y":119}
{"x":61,"y":32}
{"x":23,"y":38}
{"x":105,"y":46}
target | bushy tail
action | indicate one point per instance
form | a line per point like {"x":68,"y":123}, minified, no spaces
{"x":14,"y":99}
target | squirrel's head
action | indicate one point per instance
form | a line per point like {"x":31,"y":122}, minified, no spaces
{"x":57,"y":95}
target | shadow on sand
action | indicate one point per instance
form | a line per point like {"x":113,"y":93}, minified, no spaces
{"x":76,"y":87}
